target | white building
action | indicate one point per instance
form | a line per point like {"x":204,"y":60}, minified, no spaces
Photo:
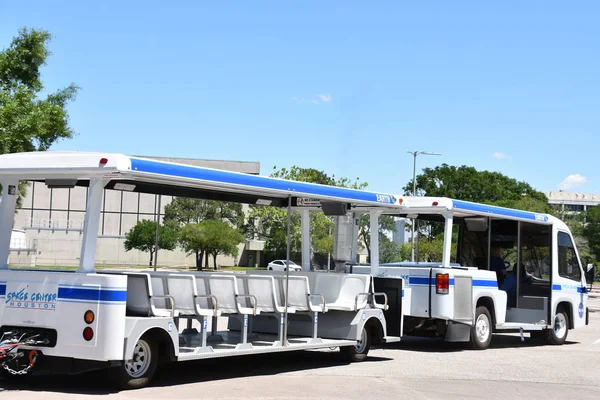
{"x":570,"y":202}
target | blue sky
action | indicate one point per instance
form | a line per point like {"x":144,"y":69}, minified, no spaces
{"x":347,"y":87}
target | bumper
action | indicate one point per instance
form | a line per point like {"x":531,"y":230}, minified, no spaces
{"x":66,"y":365}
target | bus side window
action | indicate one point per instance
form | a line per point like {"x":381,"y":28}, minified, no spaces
{"x":568,"y":265}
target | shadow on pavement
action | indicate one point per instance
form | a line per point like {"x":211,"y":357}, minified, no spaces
{"x":186,"y":372}
{"x":438,"y":345}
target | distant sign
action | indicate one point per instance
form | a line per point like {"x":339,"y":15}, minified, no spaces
{"x":306,"y":202}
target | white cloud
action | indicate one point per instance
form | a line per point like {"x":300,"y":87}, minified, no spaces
{"x":325,"y":98}
{"x":572,"y":181}
{"x":499,"y":155}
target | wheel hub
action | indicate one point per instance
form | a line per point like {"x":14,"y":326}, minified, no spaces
{"x":140,"y":362}
{"x":482,"y":328}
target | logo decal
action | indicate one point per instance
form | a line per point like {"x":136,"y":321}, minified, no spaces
{"x":38,"y":300}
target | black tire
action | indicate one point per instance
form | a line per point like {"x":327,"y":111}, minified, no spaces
{"x":360,"y":351}
{"x":481,"y":331}
{"x":558,"y":335}
{"x":138,"y":372}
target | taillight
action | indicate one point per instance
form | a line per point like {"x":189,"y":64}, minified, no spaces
{"x":88,"y":317}
{"x":88,"y":334}
{"x":442,"y":283}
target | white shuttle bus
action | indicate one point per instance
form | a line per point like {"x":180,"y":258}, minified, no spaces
{"x":501,"y":270}
{"x":129,"y":322}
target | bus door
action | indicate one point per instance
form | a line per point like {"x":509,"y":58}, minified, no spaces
{"x":568,"y":281}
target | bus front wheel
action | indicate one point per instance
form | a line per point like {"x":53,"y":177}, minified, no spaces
{"x":558,"y":335}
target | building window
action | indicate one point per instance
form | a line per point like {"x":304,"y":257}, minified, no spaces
{"x":574,"y":207}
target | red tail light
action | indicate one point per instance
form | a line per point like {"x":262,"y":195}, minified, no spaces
{"x":88,"y":334}
{"x":442,"y":283}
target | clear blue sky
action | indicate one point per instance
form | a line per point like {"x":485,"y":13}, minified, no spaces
{"x":344,"y":86}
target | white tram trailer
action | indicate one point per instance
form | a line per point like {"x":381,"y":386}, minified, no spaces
{"x":501,"y":270}
{"x":129,"y":322}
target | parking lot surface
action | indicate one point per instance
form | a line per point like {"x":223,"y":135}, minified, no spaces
{"x":413,"y":369}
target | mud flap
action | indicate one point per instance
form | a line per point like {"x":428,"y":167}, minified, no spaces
{"x":457,"y":332}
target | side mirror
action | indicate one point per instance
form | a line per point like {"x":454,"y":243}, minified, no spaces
{"x":590,"y":267}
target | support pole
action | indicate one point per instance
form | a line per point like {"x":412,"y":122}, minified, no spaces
{"x":157,"y":234}
{"x":354,"y":245}
{"x":374,"y":236}
{"x":10,"y":193}
{"x":91,"y":224}
{"x":287,"y":271}
{"x":447,"y":241}
{"x":305,"y":221}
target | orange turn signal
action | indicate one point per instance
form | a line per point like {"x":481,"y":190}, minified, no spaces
{"x":88,"y":317}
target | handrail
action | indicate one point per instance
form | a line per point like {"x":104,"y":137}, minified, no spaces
{"x":209,"y":296}
{"x":317,"y":295}
{"x":385,"y":296}
{"x":356,"y":299}
{"x":166,"y":297}
{"x":372,"y":296}
{"x":251,"y":297}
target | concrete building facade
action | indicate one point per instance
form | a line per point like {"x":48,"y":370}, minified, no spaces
{"x":52,"y":220}
{"x":572,"y":202}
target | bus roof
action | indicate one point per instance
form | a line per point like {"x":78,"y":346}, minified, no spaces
{"x":68,"y":169}
{"x":461,"y":208}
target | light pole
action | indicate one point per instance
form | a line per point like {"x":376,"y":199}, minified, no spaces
{"x":412,"y":236}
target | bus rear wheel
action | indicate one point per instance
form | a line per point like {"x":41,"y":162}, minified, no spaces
{"x":360,"y":350}
{"x":481,"y":331}
{"x":137,"y":372}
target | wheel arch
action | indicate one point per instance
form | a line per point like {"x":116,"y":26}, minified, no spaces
{"x":163,"y":340}
{"x":568,"y":307}
{"x":375,"y":329}
{"x":488,"y":303}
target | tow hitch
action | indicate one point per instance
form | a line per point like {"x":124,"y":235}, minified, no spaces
{"x":13,"y":357}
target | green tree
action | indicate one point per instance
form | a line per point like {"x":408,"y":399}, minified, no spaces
{"x":193,"y":241}
{"x":386,"y":224}
{"x":467,"y":183}
{"x":591,"y":231}
{"x":143,"y":237}
{"x":220,"y":238}
{"x":187,"y":210}
{"x":184,"y":210}
{"x":390,"y":251}
{"x":27,"y":122}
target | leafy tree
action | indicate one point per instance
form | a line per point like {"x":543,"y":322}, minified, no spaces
{"x":183,"y":211}
{"x":27,"y":122}
{"x":466,"y":183}
{"x":143,"y":237}
{"x":187,"y":210}
{"x":193,"y":240}
{"x":591,"y":231}
{"x":386,"y":224}
{"x":220,"y":238}
{"x":390,"y":251}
